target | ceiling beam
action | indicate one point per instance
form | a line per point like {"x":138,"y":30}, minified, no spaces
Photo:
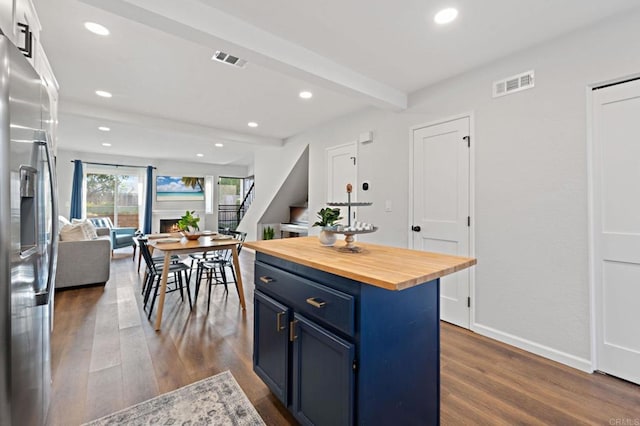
{"x":80,"y":109}
{"x":198,"y":22}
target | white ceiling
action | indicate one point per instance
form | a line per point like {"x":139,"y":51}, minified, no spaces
{"x":172,"y":101}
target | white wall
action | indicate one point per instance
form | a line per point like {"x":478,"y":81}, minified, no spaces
{"x":164,"y":167}
{"x":271,"y":169}
{"x":294,"y":191}
{"x":531,"y":182}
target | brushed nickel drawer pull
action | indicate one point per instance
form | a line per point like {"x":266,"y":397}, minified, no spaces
{"x":265,"y":279}
{"x":316,"y":303}
{"x":279,"y":326}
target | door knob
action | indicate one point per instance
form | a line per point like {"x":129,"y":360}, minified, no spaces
{"x":416,"y":228}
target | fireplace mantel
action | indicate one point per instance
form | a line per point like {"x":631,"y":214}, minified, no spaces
{"x":156,"y":215}
{"x":174,"y":212}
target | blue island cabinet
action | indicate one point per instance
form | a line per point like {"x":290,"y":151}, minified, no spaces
{"x":340,"y":352}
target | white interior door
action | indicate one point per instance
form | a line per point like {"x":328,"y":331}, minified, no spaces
{"x":616,"y":233}
{"x":342,"y":168}
{"x":441,"y":220}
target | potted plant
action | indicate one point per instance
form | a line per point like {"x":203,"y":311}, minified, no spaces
{"x":328,"y":217}
{"x":268,"y":233}
{"x":188,"y":225}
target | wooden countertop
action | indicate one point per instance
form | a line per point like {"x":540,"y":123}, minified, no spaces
{"x":382,"y":266}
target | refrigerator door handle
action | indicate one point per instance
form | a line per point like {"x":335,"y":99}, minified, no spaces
{"x":42,"y":297}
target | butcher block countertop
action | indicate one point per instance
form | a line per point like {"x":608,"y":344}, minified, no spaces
{"x":391,"y":268}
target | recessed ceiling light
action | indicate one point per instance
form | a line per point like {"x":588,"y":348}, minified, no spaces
{"x":252,"y":124}
{"x":199,"y":155}
{"x":103,"y":94}
{"x":219,"y":145}
{"x":445,"y":16}
{"x":106,"y":144}
{"x":306,"y":95}
{"x":96,"y":28}
{"x":104,"y":128}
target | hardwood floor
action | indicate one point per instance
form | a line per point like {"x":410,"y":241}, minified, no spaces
{"x":106,"y":356}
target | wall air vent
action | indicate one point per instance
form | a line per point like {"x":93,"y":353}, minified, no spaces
{"x":513,"y":84}
{"x":229,"y":59}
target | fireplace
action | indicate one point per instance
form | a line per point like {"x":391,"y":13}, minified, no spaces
{"x":159,"y":217}
{"x":169,"y":225}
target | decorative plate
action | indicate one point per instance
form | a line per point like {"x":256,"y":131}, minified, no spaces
{"x":221,"y":237}
{"x":167,"y":240}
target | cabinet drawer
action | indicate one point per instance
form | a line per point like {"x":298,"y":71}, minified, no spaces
{"x":324,"y":304}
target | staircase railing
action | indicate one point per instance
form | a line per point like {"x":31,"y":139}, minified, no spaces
{"x":246,"y":202}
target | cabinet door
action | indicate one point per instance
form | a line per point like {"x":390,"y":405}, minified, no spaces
{"x":323,"y":375}
{"x":271,"y":344}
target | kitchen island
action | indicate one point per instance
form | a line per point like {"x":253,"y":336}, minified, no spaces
{"x":350,"y":338}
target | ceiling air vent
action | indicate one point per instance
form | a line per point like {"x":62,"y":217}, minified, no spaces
{"x":513,"y":84}
{"x":229,"y":59}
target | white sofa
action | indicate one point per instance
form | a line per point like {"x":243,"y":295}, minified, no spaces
{"x":84,"y":262}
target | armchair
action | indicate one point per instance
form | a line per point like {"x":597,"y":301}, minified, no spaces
{"x":120,"y":237}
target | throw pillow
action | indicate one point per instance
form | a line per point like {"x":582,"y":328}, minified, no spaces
{"x":89,"y":230}
{"x":87,"y":227}
{"x":62,"y":221}
{"x":72,"y":233}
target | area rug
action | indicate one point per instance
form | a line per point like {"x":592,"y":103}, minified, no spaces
{"x":217,"y":400}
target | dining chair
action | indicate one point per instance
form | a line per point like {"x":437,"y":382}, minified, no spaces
{"x":154,"y":275}
{"x":198,"y":257}
{"x":136,"y":244}
{"x":217,"y":266}
{"x":156,"y":259}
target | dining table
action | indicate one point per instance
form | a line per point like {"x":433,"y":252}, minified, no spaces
{"x":182,"y":246}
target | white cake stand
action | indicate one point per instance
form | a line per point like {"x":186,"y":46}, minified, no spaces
{"x":350,"y":247}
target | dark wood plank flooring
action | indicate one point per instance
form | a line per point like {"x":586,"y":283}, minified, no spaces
{"x":106,"y":356}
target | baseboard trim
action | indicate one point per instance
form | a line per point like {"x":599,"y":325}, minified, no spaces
{"x":535,"y":348}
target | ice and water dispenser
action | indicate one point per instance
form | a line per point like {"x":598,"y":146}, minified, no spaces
{"x":28,"y":208}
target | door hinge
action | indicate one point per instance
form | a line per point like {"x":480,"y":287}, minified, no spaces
{"x":469,"y":221}
{"x":468,"y":139}
{"x":354,"y":366}
{"x":468,"y":302}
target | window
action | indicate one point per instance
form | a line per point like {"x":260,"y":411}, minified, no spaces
{"x":247,"y":186}
{"x":233,"y":200}
{"x":116,"y":196}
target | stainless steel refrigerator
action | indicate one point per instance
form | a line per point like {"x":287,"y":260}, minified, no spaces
{"x":28,"y":241}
